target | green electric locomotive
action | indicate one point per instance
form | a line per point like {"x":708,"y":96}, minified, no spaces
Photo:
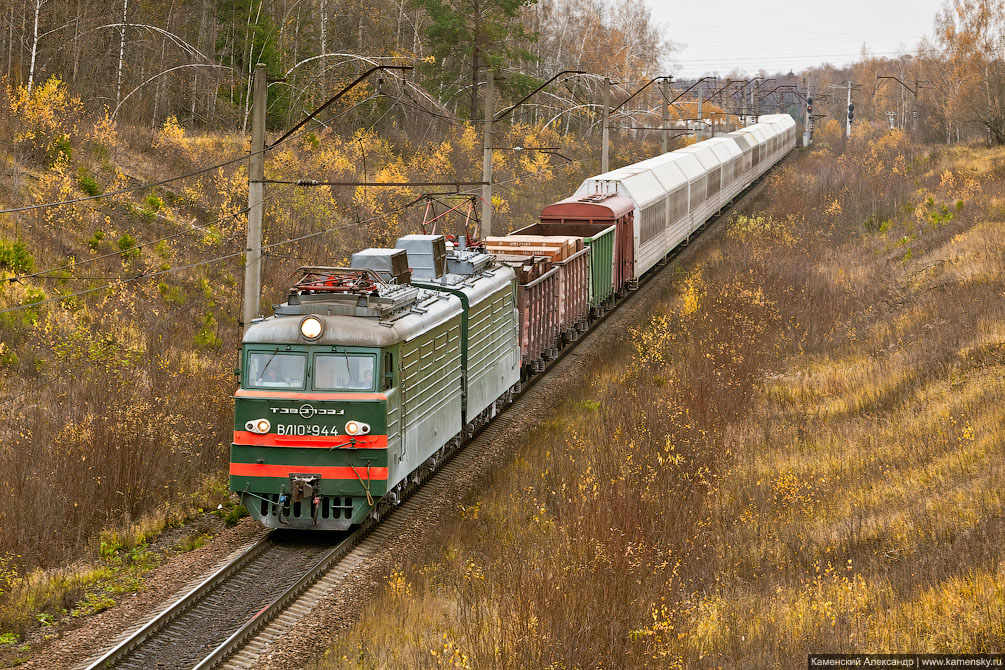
{"x":364,"y":376}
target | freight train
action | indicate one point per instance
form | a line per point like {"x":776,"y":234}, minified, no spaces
{"x":369,"y":374}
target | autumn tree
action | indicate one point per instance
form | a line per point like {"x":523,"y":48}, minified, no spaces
{"x":971,"y":37}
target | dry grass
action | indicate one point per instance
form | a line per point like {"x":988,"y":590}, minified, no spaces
{"x":799,"y":452}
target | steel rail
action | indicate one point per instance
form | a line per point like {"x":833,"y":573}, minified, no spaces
{"x":280,"y":603}
{"x":113,"y":655}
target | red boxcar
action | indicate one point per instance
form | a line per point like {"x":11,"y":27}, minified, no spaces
{"x":574,"y":293}
{"x":537,"y":302}
{"x":570,"y":257}
{"x":605,"y":209}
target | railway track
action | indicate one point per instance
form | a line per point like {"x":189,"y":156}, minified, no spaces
{"x":229,"y":619}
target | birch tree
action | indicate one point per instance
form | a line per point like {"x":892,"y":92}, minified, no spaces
{"x":34,"y":45}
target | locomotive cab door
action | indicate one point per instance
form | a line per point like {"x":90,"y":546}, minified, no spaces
{"x":392,"y":380}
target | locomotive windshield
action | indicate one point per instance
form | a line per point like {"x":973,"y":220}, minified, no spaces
{"x":343,"y":372}
{"x":272,"y":370}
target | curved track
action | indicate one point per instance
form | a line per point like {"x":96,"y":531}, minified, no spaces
{"x":234,"y":614}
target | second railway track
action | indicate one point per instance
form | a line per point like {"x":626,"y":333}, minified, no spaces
{"x":232,"y":616}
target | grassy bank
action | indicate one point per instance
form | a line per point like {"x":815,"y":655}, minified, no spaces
{"x":796,"y":452}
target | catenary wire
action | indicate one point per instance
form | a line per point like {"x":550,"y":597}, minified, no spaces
{"x":85,"y":261}
{"x":264,"y":248}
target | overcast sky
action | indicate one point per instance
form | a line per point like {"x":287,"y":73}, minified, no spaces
{"x":779,"y":35}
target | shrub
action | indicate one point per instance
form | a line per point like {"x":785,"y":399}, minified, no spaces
{"x":212,"y":236}
{"x":46,"y":117}
{"x":14,"y":256}
{"x":8,"y":359}
{"x":171,"y":134}
{"x":173,"y":295}
{"x":235,"y":515}
{"x":127,"y":246}
{"x":87,"y":183}
{"x":163,"y":249}
{"x":60,"y":150}
{"x":95,"y":240}
{"x":29,"y":317}
{"x":207,"y":338}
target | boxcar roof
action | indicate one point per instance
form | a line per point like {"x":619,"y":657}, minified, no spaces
{"x":612,"y":206}
{"x":755,"y":134}
{"x":643,"y":187}
{"x":725,"y":147}
{"x":639,"y":184}
{"x":784,"y":120}
{"x":743,"y":140}
{"x":687,"y":163}
{"x":669,"y":168}
{"x":705,"y":155}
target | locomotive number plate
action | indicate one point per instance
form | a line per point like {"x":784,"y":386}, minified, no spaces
{"x":293,"y":429}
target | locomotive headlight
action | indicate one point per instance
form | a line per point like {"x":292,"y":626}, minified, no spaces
{"x":311,"y":328}
{"x":258,"y":426}
{"x":357,"y":428}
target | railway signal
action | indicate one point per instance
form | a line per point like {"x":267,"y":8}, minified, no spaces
{"x":851,"y":107}
{"x":851,"y":111}
{"x":808,"y":115}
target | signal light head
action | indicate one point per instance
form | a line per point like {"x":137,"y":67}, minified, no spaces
{"x":258,"y":426}
{"x":311,"y":328}
{"x":356,"y":428}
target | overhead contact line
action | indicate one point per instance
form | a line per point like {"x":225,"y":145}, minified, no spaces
{"x":130,"y":189}
{"x":216,"y":259}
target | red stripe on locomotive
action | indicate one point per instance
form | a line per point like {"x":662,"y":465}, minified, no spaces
{"x":326,"y":471}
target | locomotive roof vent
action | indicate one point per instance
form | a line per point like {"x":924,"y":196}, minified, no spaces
{"x":350,"y":292}
{"x":427,"y":255}
{"x":390,"y":264}
{"x":468,"y":261}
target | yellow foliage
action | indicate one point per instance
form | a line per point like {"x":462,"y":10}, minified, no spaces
{"x":750,"y":228}
{"x":397,"y":585}
{"x":46,"y":114}
{"x":692,"y":293}
{"x":171,"y":134}
{"x":54,"y":185}
{"x":832,"y":133}
{"x":499,"y":204}
{"x":468,"y":139}
{"x":104,"y":131}
{"x":439,"y":162}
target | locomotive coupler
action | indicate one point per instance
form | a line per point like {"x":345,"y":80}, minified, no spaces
{"x":307,"y":488}
{"x":302,"y":488}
